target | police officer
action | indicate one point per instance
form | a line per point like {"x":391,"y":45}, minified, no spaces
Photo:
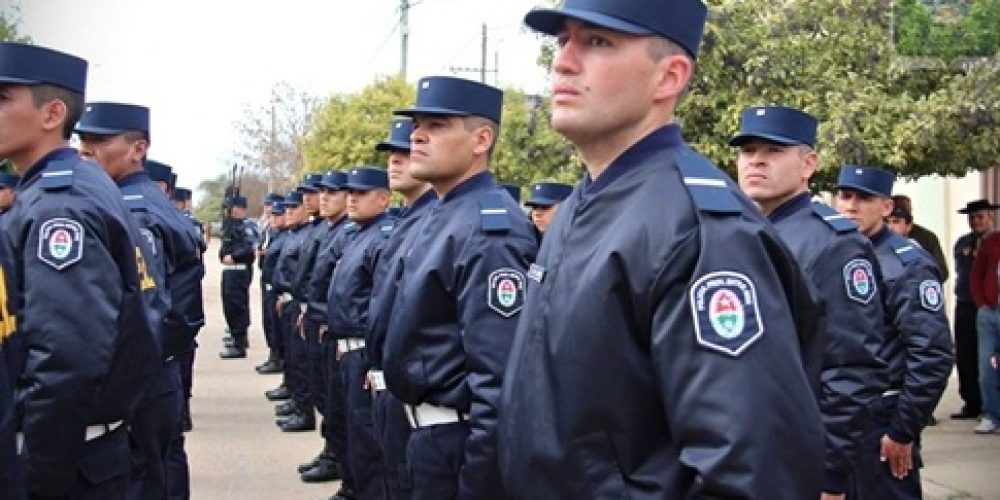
{"x":182,"y":199}
{"x":323,"y":370}
{"x":646,"y":361}
{"x":980,"y":214}
{"x":347,"y":311}
{"x":11,"y":483}
{"x":159,"y":173}
{"x":289,"y":308}
{"x":460,"y":292}
{"x":117,"y":137}
{"x":8,"y":186}
{"x":776,"y":159}
{"x":916,"y":346}
{"x":85,"y":347}
{"x":392,"y":430}
{"x":544,"y":202}
{"x":267,"y":253}
{"x":239,"y":243}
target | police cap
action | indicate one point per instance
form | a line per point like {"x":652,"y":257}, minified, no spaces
{"x":546,"y":194}
{"x":399,"y":136}
{"x":871,"y":180}
{"x":367,"y":178}
{"x":682,"y":21}
{"x":778,"y":124}
{"x":112,"y":118}
{"x":450,"y":96}
{"x":34,"y":65}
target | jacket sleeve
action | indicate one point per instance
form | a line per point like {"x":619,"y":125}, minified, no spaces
{"x":746,"y":422}
{"x":69,"y":321}
{"x":923,"y":329}
{"x":977,"y":275}
{"x":487,"y":332}
{"x":852,"y":373}
{"x":938,"y":254}
{"x":245,"y":249}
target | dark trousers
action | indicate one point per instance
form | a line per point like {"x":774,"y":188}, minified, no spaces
{"x":315,"y":381}
{"x":872,"y":479}
{"x":296,"y":358}
{"x":967,"y":355}
{"x":363,"y":457}
{"x":236,"y":303}
{"x":435,"y":455}
{"x":336,"y":407}
{"x":104,"y":469}
{"x":178,"y":474}
{"x":393,"y":432}
{"x":154,"y":426}
{"x":271,"y":322}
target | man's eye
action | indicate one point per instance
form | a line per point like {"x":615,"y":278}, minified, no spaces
{"x":597,"y":41}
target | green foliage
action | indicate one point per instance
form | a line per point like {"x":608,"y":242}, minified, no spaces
{"x":960,"y":28}
{"x":833,"y":58}
{"x":8,"y":27}
{"x":348,"y":126}
{"x":529,"y":150}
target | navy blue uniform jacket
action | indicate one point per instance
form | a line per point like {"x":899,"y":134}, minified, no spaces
{"x":453,"y":319}
{"x":658,"y":354}
{"x":87,"y":348}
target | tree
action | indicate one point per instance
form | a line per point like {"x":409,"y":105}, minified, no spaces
{"x":272,"y":136}
{"x":348,"y":126}
{"x":528,"y":149}
{"x":951,"y":30}
{"x":8,"y":33}
{"x":253,"y":185}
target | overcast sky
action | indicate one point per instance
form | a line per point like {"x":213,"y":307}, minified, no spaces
{"x":197,"y":63}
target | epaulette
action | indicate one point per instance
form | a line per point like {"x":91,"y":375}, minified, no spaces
{"x":493,"y":212}
{"x":906,"y":250}
{"x":134,"y":199}
{"x":707,"y":185}
{"x":838,"y":221}
{"x":350,"y":227}
{"x":57,"y":175}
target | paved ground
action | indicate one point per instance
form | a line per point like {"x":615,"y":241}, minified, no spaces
{"x":236,"y":452}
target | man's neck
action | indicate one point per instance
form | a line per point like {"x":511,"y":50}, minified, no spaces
{"x":26,"y":160}
{"x":411,"y":196}
{"x":445,"y":186}
{"x":599,"y":152}
{"x":769,"y":206}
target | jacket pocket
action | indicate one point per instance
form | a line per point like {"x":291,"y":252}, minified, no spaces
{"x":600,"y":467}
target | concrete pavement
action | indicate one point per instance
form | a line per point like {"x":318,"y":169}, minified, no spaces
{"x":236,"y":452}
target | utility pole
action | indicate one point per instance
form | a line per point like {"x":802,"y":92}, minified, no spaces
{"x":483,"y":66}
{"x":404,"y":32}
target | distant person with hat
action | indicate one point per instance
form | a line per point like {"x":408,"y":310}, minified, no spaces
{"x":237,"y":253}
{"x":8,"y":188}
{"x":900,"y":221}
{"x":392,"y":429}
{"x":646,"y":359}
{"x":85,"y":347}
{"x":980,"y":214}
{"x":983,"y":284}
{"x":159,"y":173}
{"x":182,"y":199}
{"x":274,"y":235}
{"x":117,"y":136}
{"x":544,"y":202}
{"x":923,"y":236}
{"x":460,"y":292}
{"x":776,"y":159}
{"x":916,"y":345}
{"x":348,"y":305}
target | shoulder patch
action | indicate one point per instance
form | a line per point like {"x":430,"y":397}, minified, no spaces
{"x":906,"y":250}
{"x":859,"y":280}
{"x":930,"y":295}
{"x":707,"y":185}
{"x":57,"y":175}
{"x":839,"y":222}
{"x":493,"y":212}
{"x":506,"y":291}
{"x":726,"y":314}
{"x":60,"y":243}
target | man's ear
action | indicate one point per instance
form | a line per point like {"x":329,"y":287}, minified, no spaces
{"x":54,"y":115}
{"x":673,"y":75}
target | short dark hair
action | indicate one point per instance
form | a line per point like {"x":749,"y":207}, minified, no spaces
{"x":474,"y":122}
{"x":42,"y":94}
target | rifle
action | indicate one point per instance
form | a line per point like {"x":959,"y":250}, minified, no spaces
{"x":232,"y":192}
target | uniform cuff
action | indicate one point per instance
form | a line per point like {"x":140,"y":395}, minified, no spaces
{"x":899,"y":436}
{"x":834,"y":482}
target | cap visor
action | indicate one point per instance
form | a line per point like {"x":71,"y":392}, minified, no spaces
{"x":361,"y":187}
{"x":98,"y":130}
{"x":392,"y":146}
{"x":18,"y":81}
{"x":551,"y":21}
{"x":777,"y":139}
{"x":418,"y":110}
{"x":330,"y":186}
{"x":863,"y":189}
{"x":540,"y":202}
